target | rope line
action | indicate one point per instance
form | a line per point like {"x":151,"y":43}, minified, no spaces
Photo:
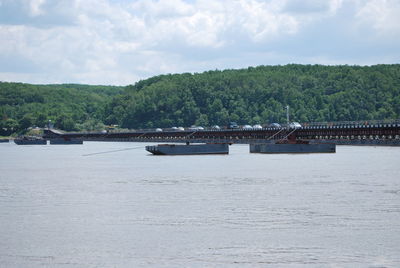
{"x":120,"y":150}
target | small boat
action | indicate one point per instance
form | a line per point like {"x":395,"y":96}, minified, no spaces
{"x":188,"y":149}
{"x":4,"y":140}
{"x":30,"y":140}
{"x":58,"y":141}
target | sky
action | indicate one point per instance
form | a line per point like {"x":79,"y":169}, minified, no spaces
{"x":119,"y":42}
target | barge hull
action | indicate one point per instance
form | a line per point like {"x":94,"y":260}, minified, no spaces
{"x":191,"y":149}
{"x":62,"y":141}
{"x":30,"y":142}
{"x":292,"y":148}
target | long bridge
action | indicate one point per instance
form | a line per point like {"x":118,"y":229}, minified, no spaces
{"x":341,"y":133}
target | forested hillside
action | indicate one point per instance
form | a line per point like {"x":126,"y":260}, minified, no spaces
{"x":260,"y":95}
{"x":69,"y":106}
{"x":257,"y":95}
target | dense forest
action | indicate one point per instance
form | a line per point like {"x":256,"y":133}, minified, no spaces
{"x":69,"y":106}
{"x":256,"y":95}
{"x":259,"y":95}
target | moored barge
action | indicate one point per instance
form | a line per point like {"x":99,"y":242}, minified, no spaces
{"x":189,"y":149}
{"x":26,"y":140}
{"x":276,"y":148}
{"x":62,"y":141}
{"x":292,"y":146}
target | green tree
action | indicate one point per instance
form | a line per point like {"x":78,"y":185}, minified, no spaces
{"x":65,"y":122}
{"x":8,"y":126}
{"x":26,"y":121}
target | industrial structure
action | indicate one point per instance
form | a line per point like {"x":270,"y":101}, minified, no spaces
{"x":340,"y":133}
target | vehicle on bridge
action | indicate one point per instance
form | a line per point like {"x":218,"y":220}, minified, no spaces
{"x":196,"y":128}
{"x":233,"y":125}
{"x":177,"y":129}
{"x":247,"y":127}
{"x":274,"y":125}
{"x":294,"y":125}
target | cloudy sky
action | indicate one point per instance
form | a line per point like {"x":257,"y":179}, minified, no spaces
{"x":118,"y":42}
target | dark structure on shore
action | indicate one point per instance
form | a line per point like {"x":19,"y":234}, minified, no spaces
{"x":337,"y":133}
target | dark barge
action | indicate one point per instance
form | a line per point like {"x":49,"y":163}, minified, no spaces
{"x":276,"y":148}
{"x":292,"y":146}
{"x":189,"y":149}
{"x":64,"y":141}
{"x":27,"y":140}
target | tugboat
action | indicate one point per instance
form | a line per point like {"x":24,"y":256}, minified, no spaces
{"x":30,"y":140}
{"x":188,"y":149}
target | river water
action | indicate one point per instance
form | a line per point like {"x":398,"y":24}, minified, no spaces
{"x":114,"y":205}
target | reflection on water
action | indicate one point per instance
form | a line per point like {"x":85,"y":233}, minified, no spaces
{"x":79,"y":206}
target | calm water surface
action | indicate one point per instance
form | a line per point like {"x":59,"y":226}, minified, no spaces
{"x":66,"y":206}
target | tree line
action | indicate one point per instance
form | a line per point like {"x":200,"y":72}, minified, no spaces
{"x":256,"y":95}
{"x":70,"y":107}
{"x":259,"y":95}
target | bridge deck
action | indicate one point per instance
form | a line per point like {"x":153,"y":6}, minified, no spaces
{"x":385,"y":134}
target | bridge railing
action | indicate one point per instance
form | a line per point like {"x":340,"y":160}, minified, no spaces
{"x":353,"y":123}
{"x":304,"y":124}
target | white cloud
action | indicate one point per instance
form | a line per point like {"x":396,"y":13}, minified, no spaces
{"x":382,"y":16}
{"x":111,"y":42}
{"x":171,"y":8}
{"x":35,"y":7}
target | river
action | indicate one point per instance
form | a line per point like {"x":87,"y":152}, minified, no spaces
{"x":114,"y":205}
